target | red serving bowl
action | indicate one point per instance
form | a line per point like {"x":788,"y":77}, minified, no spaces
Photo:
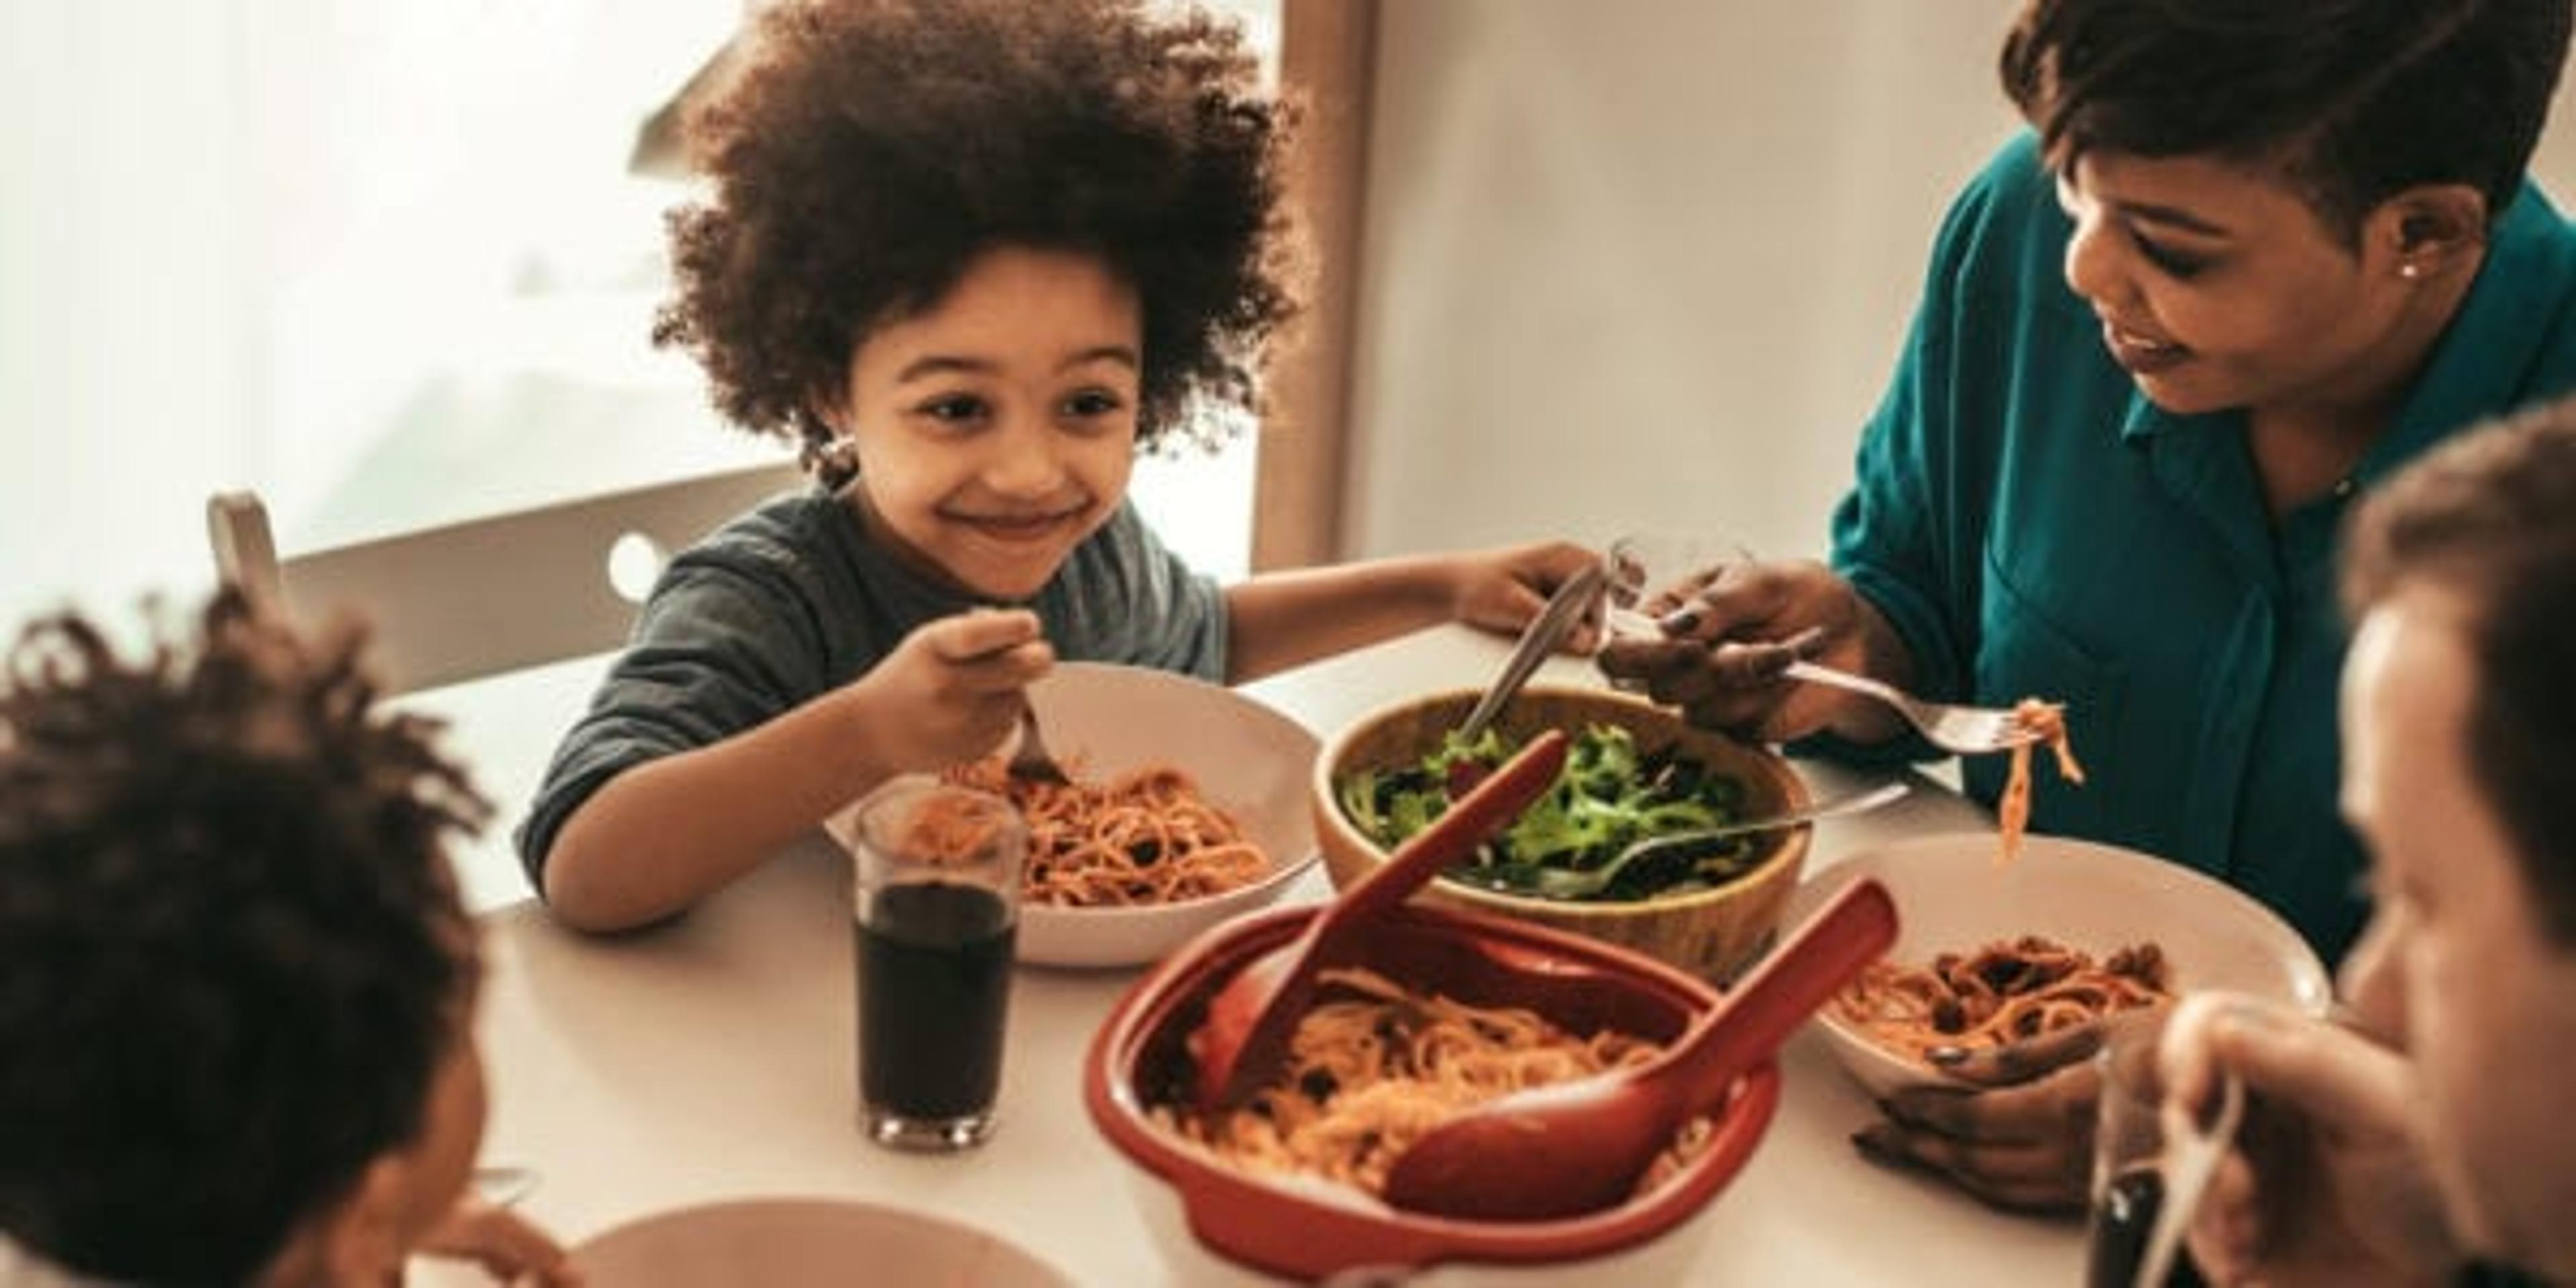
{"x":1310,"y":1229}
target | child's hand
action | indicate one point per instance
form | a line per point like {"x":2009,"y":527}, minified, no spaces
{"x":506,"y":1245}
{"x":1503,"y":590}
{"x":953,"y":689}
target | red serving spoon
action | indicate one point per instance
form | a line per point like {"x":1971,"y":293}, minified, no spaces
{"x":1578,"y":1147}
{"x":1250,"y":1019}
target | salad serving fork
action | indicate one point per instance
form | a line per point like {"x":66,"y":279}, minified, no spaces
{"x":1564,"y":609}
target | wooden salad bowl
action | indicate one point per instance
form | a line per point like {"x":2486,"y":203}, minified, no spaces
{"x":1712,"y":933}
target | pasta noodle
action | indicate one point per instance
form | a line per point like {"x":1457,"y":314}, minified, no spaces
{"x":2000,"y":994}
{"x":952,"y":829}
{"x":2047,"y":721}
{"x":1143,"y":837}
{"x":1374,"y":1067}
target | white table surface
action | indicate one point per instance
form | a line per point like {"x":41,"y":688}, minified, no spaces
{"x":714,"y":1057}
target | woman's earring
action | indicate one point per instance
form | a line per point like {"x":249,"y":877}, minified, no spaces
{"x":2410,"y":270}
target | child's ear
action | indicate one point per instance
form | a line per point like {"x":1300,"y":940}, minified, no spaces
{"x":830,"y":409}
{"x":362,"y":1239}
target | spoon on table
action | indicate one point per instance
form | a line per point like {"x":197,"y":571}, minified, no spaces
{"x":1582,"y":883}
{"x":1250,"y":1019}
{"x":1577,"y":1147}
{"x":503,"y":1184}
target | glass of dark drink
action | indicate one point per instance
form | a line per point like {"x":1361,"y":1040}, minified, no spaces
{"x":936,"y":906}
{"x":2128,"y":1152}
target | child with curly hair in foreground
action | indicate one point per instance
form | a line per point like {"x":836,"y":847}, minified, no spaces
{"x":236,"y":984}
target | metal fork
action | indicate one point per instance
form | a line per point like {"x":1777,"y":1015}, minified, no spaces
{"x":1961,"y":730}
{"x":1030,"y":762}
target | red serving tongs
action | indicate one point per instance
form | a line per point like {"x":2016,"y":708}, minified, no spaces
{"x":1250,"y":1019}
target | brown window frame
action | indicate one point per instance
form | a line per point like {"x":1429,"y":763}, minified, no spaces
{"x":1326,"y":60}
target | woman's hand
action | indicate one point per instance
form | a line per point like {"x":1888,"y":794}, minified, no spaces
{"x":506,"y":1245}
{"x":953,"y":689}
{"x":2328,"y":1182}
{"x":1503,"y":590}
{"x":2022,"y":1140}
{"x":1729,"y":632}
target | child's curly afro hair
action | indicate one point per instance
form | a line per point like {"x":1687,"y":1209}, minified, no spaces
{"x":868,"y":150}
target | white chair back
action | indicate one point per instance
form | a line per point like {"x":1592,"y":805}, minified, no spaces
{"x":488,"y":595}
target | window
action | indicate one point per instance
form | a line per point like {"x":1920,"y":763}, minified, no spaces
{"x":384,"y":262}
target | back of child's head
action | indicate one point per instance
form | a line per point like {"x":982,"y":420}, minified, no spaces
{"x":868,"y":150}
{"x":232,"y":955}
{"x":2357,"y":100}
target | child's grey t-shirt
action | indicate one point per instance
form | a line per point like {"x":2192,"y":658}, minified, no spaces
{"x":793,"y":600}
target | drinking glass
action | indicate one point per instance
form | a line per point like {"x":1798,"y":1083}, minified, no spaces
{"x":2128,"y":1156}
{"x":1651,"y":567}
{"x":935,"y":913}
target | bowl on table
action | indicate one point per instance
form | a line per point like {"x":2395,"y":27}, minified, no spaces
{"x":1953,"y":897}
{"x":1711,"y":932}
{"x":804,"y":1243}
{"x":1201,"y":1207}
{"x":1249,"y":760}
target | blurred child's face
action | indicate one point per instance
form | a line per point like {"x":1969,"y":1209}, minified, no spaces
{"x":451,"y":1133}
{"x":996,"y":429}
{"x":2218,"y":287}
{"x":2456,"y":963}
{"x":405,"y":1193}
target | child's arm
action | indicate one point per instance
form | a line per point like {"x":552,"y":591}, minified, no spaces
{"x":1280,"y":620}
{"x":660,"y":836}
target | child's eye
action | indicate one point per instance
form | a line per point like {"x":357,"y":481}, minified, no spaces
{"x":2176,"y":265}
{"x":953,"y":408}
{"x":1093,"y":402}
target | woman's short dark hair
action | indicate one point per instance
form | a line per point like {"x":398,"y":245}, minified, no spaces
{"x":2357,"y":100}
{"x":868,"y":150}
{"x":232,"y":957}
{"x":2491,"y":517}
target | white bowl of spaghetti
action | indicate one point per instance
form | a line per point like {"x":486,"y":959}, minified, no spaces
{"x":2068,"y":932}
{"x":1187,"y":807}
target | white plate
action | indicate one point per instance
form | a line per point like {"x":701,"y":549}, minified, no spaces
{"x":805,"y":1243}
{"x":1951,"y":897}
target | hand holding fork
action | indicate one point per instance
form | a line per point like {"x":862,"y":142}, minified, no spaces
{"x":1688,"y":657}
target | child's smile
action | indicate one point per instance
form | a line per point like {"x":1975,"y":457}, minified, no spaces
{"x":996,"y":428}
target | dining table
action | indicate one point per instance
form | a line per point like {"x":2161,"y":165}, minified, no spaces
{"x":713,"y":1057}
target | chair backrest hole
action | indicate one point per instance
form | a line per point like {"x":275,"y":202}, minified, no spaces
{"x":634,"y":560}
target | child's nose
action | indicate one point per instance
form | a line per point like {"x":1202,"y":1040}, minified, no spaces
{"x":1025,"y":462}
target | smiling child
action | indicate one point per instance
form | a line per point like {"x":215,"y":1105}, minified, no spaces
{"x":972,"y":255}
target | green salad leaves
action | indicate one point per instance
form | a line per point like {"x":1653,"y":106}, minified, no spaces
{"x":1610,"y":795}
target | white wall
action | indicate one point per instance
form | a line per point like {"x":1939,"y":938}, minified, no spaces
{"x":1641,"y":263}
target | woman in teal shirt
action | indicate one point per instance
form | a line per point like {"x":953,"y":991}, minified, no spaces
{"x":2254,"y":258}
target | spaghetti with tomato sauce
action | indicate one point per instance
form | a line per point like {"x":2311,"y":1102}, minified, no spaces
{"x":1148,"y":836}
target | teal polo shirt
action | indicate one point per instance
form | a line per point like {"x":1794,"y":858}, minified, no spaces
{"x":2033,"y":526}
